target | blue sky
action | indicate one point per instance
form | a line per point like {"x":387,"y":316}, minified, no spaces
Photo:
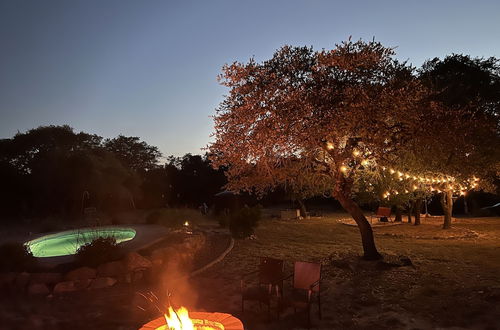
{"x":149,"y":68}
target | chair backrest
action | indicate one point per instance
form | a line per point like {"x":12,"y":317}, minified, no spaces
{"x":305,"y":274}
{"x":384,"y":211}
{"x":270,"y":270}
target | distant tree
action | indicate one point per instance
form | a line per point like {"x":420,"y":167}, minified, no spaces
{"x":133,"y":153}
{"x":48,"y":169}
{"x":462,"y":137}
{"x":195,"y":181}
{"x":321,"y":107}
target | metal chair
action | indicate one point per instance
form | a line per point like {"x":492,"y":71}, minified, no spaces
{"x":269,"y":280}
{"x":306,"y":288}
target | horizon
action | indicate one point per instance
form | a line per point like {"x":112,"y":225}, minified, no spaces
{"x":150,"y":70}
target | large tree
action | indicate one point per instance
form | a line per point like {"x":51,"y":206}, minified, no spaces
{"x":325,"y":108}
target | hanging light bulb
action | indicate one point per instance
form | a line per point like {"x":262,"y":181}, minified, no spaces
{"x":343,"y":169}
{"x":415,"y":187}
{"x":364,"y":162}
{"x":392,"y":171}
{"x":329,"y":146}
{"x":355,"y":153}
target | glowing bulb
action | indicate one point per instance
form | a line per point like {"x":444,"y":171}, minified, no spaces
{"x":364,"y":162}
{"x":355,"y":153}
{"x":186,"y":223}
{"x":392,"y":171}
{"x":329,"y":146}
{"x":400,"y":174}
{"x":343,"y":168}
{"x":415,"y":187}
{"x":407,"y":176}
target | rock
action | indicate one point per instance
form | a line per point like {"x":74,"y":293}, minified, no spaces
{"x":66,"y":286}
{"x":21,"y":280}
{"x":82,"y":273}
{"x":102,"y":282}
{"x":45,"y":278}
{"x":38,"y":289}
{"x":137,"y":276}
{"x":82,"y":284}
{"x":111,"y":269}
{"x":134,"y":261}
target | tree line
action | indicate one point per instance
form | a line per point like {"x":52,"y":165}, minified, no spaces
{"x":53,"y":170}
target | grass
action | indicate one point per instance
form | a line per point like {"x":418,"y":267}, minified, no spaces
{"x":454,"y":283}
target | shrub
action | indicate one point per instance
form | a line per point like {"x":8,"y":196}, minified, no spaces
{"x":16,"y":257}
{"x":99,"y":251}
{"x":243,"y":222}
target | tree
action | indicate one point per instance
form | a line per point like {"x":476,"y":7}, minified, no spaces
{"x":133,"y":153}
{"x":325,"y":108}
{"x":464,"y":131}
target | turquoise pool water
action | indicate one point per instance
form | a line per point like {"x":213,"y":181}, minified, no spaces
{"x":67,"y":242}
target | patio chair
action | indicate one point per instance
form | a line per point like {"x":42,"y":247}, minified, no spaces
{"x":269,"y":281}
{"x":306,"y":288}
{"x":382,"y":212}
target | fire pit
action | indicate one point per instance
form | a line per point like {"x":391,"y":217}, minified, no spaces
{"x":184,"y":320}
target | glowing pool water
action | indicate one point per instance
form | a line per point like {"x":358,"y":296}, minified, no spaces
{"x":67,"y":242}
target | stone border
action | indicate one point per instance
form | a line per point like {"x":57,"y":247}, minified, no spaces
{"x":215,"y":261}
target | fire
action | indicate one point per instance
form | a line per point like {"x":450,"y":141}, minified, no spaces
{"x":180,"y":320}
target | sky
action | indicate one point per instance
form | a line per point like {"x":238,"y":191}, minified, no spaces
{"x":149,"y":68}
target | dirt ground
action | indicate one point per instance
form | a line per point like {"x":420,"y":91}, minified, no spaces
{"x":452,"y":282}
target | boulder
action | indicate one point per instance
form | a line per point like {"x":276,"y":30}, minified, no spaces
{"x":45,"y":278}
{"x":134,"y":261}
{"x":111,"y":269}
{"x":82,"y":273}
{"x":82,"y":284}
{"x":102,"y":282}
{"x":38,"y":289}
{"x":66,"y":286}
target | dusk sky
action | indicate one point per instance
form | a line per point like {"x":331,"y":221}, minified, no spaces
{"x":149,"y":68}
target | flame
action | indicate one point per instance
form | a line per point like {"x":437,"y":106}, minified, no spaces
{"x":180,"y":320}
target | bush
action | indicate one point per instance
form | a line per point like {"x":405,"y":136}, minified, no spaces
{"x":16,"y":257}
{"x":99,"y":251}
{"x":243,"y":222}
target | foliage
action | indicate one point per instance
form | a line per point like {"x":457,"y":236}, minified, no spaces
{"x":243,"y":221}
{"x":99,"y":251}
{"x":133,"y":153}
{"x":16,"y":257}
{"x":307,"y":114}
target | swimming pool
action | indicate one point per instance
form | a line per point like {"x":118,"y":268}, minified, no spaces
{"x":67,"y":242}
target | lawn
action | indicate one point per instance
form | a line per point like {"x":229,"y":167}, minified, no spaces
{"x":453,"y":282}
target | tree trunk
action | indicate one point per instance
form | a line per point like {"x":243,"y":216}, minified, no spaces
{"x":399,"y":214}
{"x":466,"y":207}
{"x":302,"y":207}
{"x":342,"y":194}
{"x":410,"y":210}
{"x":447,"y":205}
{"x":418,"y":209}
